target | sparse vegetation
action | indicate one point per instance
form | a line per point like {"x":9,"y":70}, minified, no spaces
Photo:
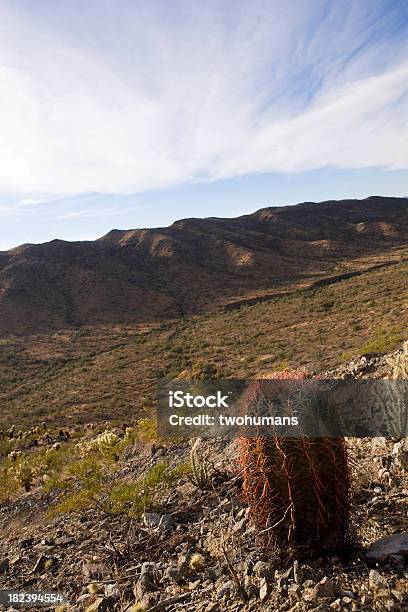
{"x":283,"y":329}
{"x":92,"y":479}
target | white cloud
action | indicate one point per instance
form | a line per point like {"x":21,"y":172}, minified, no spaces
{"x":93,"y":213}
{"x":125,"y":97}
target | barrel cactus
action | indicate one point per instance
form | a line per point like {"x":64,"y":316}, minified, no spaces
{"x":297,"y":489}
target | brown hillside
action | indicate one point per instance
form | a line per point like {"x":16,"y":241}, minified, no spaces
{"x":195,"y":265}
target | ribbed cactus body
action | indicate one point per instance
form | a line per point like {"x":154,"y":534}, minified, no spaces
{"x":297,"y":488}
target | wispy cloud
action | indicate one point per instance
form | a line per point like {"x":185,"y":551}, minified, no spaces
{"x":109,"y":97}
{"x":93,"y":213}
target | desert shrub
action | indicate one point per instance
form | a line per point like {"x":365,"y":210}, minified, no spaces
{"x":146,"y":428}
{"x":92,"y":477}
{"x":24,"y":469}
{"x":24,"y":473}
{"x":133,"y":498}
{"x":6,"y":446}
{"x":85,"y":483}
{"x":8,"y":483}
{"x":85,"y":479}
{"x":51,"y":464}
{"x":202,"y":370}
{"x":18,"y":471}
{"x":297,"y":488}
{"x":97,"y":485}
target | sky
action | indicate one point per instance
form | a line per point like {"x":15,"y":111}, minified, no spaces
{"x":130,"y":113}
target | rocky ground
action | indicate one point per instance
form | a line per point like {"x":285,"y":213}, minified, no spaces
{"x":200,"y":551}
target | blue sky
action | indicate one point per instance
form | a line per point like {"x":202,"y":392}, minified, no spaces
{"x":128,"y":113}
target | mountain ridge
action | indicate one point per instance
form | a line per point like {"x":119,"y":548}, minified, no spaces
{"x":193,"y":265}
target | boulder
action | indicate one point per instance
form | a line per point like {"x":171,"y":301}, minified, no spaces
{"x":382,"y":549}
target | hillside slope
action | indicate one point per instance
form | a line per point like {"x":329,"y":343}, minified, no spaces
{"x":113,"y":372}
{"x":195,"y":265}
{"x":196,"y":549}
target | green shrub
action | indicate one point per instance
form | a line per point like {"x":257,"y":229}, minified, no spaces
{"x":146,"y":429}
{"x":90,"y":477}
{"x":133,"y":498}
{"x":93,"y":484}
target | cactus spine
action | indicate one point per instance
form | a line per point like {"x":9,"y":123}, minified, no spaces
{"x":297,"y":488}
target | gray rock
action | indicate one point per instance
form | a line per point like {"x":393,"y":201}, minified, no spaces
{"x":324,"y":588}
{"x":348,"y":594}
{"x":64,"y":541}
{"x":396,"y":544}
{"x":147,"y":582}
{"x":262,"y":569}
{"x":225,"y":590}
{"x":112,"y":590}
{"x":173,"y":573}
{"x":214,"y":573}
{"x":376,"y":581}
{"x":163,"y":522}
{"x":294,"y":590}
{"x":264,"y":590}
{"x":4,"y":566}
{"x":178,"y":573}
